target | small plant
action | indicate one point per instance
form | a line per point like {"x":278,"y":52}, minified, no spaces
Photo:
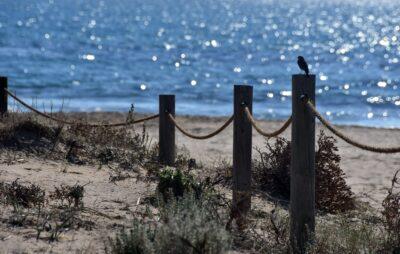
{"x":173,"y":181}
{"x":272,"y":174}
{"x":20,"y":196}
{"x":131,"y":114}
{"x":64,"y":216}
{"x":332,"y":193}
{"x":391,"y":212}
{"x":222,"y":172}
{"x":69,"y":195}
{"x":272,"y":170}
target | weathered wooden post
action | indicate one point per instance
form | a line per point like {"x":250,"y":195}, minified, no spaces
{"x":302,"y":172}
{"x":242,"y":146}
{"x":3,"y":96}
{"x":166,"y":130}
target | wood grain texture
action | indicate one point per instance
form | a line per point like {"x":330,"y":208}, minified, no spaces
{"x":302,"y":180}
{"x":242,"y":147}
{"x":166,"y":130}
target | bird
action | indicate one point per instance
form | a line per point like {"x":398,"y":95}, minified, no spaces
{"x":303,"y":65}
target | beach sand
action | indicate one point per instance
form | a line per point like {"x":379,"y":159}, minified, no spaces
{"x":115,"y":204}
{"x":367,"y":173}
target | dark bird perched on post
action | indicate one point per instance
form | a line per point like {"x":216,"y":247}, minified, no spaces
{"x":303,"y":64}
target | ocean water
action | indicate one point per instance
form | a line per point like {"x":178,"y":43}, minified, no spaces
{"x":106,"y":55}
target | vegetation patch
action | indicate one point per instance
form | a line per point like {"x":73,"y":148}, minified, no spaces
{"x":272,"y":174}
{"x":391,"y":212}
{"x":122,"y":147}
{"x":53,"y":214}
{"x":187,"y":225}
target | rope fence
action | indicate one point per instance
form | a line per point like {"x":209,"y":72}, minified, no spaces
{"x":302,"y":170}
{"x":264,"y":133}
{"x":77,"y":123}
{"x":348,"y":139}
{"x":200,"y":137}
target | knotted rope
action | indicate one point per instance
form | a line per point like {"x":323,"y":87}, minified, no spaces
{"x":212,"y":134}
{"x":348,"y":139}
{"x":77,"y":123}
{"x":263,"y":133}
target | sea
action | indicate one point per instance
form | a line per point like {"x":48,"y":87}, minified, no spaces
{"x":106,"y":55}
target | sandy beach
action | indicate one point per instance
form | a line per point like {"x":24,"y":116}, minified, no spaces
{"x":112,"y":205}
{"x":367,"y":173}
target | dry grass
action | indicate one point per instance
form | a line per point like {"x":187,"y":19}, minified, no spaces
{"x":391,"y":211}
{"x":53,"y":213}
{"x":123,"y":148}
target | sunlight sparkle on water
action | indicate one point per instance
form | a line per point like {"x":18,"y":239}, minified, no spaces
{"x":353,"y":49}
{"x":382,"y":84}
{"x":89,"y":57}
{"x":237,"y":69}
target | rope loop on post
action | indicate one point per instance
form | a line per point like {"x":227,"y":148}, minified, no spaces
{"x":348,"y":139}
{"x":263,"y":133}
{"x":190,"y":135}
{"x":77,"y":123}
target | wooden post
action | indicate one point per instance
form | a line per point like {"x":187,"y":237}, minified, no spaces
{"x":3,"y":96}
{"x":302,"y":172}
{"x":166,"y":130}
{"x":242,"y":146}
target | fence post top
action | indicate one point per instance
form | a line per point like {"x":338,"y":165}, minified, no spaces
{"x":298,"y":76}
{"x":3,"y":78}
{"x":167,"y":95}
{"x":243,"y":86}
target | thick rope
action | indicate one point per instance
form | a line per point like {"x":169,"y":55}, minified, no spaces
{"x":348,"y":139}
{"x":263,"y":133}
{"x":76,"y":123}
{"x":186,"y":133}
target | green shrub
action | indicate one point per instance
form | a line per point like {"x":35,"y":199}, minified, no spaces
{"x":173,"y":182}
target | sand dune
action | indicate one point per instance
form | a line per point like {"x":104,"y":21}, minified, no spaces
{"x":368,"y":174}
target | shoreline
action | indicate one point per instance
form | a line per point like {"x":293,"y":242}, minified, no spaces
{"x":200,"y":116}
